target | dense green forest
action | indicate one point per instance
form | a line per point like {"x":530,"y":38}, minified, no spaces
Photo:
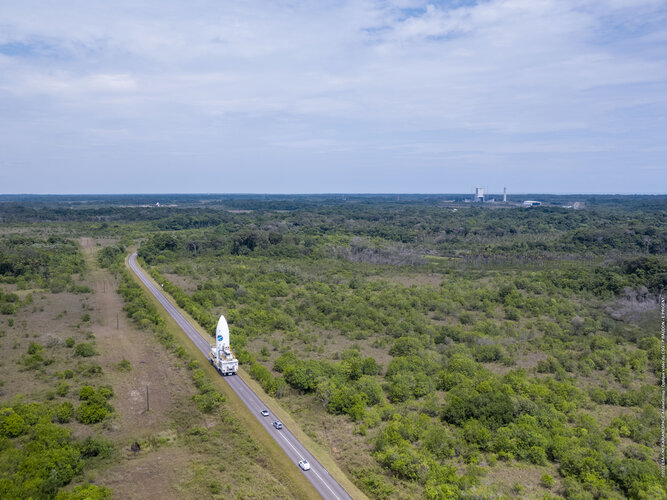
{"x":464,"y":350}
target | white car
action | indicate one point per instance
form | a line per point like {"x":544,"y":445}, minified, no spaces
{"x":265,"y":413}
{"x":304,"y":465}
{"x":278,"y":424}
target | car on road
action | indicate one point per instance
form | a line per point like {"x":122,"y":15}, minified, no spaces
{"x":304,"y":465}
{"x":265,"y":413}
{"x":278,"y":424}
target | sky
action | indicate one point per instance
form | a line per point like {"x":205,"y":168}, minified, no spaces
{"x":322,"y":96}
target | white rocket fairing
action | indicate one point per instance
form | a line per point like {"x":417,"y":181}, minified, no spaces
{"x":222,"y":334}
{"x":221,"y":356}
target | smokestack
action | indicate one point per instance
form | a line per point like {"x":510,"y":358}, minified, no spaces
{"x":504,"y":195}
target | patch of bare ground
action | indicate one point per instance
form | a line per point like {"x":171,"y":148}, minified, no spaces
{"x":603,"y":379}
{"x":503,"y":476}
{"x":604,"y":414}
{"x":154,"y":384}
{"x":409,"y":280}
{"x":633,"y":305}
{"x":329,"y":345}
{"x":528,"y":361}
{"x":498,"y":368}
{"x":48,"y":321}
{"x":185,"y":283}
{"x":150,"y":475}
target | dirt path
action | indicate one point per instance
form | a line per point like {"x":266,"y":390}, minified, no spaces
{"x":156,"y":474}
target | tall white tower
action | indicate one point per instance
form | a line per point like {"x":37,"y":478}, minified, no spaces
{"x":504,"y":195}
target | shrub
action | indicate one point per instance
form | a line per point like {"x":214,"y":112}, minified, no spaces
{"x":124,"y":366}
{"x":64,"y":412}
{"x":11,"y":424}
{"x":92,"y":413}
{"x":95,"y":406}
{"x":35,"y":348}
{"x":7,"y":308}
{"x":86,"y":492}
{"x":70,"y":342}
{"x":370,"y":367}
{"x":208,"y":401}
{"x":86,"y":392}
{"x":537,"y":455}
{"x":406,"y":346}
{"x":62,"y":389}
{"x":546,"y":480}
{"x":96,"y":447}
{"x":85,"y":350}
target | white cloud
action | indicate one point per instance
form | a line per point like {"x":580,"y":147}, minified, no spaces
{"x":359,"y":79}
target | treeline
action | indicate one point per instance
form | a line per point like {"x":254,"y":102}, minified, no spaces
{"x":407,"y":234}
{"x":32,"y":262}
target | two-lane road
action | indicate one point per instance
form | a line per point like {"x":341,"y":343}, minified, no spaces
{"x":326,"y":485}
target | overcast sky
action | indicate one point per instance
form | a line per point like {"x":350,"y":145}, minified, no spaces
{"x":320,"y":96}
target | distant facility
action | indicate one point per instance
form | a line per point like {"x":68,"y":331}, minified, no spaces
{"x":479,"y":194}
{"x":532,"y":203}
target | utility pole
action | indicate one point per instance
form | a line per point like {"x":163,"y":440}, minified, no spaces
{"x":116,"y":321}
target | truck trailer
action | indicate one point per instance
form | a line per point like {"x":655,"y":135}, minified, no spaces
{"x":221,"y":356}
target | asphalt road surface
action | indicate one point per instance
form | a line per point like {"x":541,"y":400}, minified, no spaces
{"x":326,"y":485}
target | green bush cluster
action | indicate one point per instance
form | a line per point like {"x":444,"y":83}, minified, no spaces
{"x":271,"y":385}
{"x":209,"y":398}
{"x":9,"y":303}
{"x":111,"y":257}
{"x":39,"y":457}
{"x":85,"y":350}
{"x":95,"y":405}
{"x":348,"y":387}
{"x":34,"y":357}
{"x":86,"y":492}
{"x":140,"y":309}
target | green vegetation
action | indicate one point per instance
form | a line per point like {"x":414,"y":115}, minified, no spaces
{"x":39,"y":456}
{"x":84,"y":349}
{"x":515,"y":335}
{"x":94,"y":405}
{"x":31,"y":262}
{"x":124,"y":366}
{"x":438,"y":348}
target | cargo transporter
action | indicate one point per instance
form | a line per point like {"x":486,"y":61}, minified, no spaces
{"x":221,"y":356}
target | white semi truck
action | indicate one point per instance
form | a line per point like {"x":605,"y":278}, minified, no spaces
{"x":221,"y":356}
